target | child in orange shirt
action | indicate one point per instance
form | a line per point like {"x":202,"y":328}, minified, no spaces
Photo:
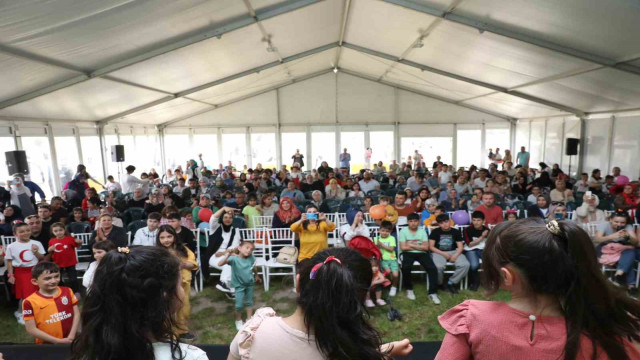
{"x":431,"y":220}
{"x":51,"y":314}
{"x":63,"y":249}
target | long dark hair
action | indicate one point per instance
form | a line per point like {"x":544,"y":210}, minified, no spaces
{"x":565,"y":266}
{"x":305,"y":224}
{"x":333,"y":305}
{"x":178,"y":246}
{"x":132,"y":302}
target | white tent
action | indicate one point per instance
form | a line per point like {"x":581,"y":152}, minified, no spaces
{"x":241,"y":80}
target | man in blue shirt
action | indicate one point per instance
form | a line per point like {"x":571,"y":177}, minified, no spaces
{"x":345,"y":159}
{"x":292,"y":192}
{"x":523,"y":158}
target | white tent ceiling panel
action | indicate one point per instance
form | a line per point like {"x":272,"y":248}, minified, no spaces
{"x":363,"y":63}
{"x":513,"y":106}
{"x":604,"y":89}
{"x":310,"y":64}
{"x":94,"y":100}
{"x":94,"y":33}
{"x":414,"y":108}
{"x":384,"y":27}
{"x":599,"y":27}
{"x":168,"y":111}
{"x":202,"y":62}
{"x":25,"y":76}
{"x":311,"y":101}
{"x":242,"y":86}
{"x":491,"y":58}
{"x":364,"y":101}
{"x":433,"y":83}
{"x":306,"y":28}
{"x":441,"y":5}
{"x":257,"y":110}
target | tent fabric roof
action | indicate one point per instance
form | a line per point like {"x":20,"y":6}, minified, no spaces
{"x":157,"y":62}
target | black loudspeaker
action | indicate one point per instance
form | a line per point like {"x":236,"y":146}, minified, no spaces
{"x":117,"y":153}
{"x":17,"y":162}
{"x":572,"y":146}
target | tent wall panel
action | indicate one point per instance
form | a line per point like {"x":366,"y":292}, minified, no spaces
{"x":597,"y":144}
{"x":553,"y":143}
{"x":364,"y":101}
{"x":261,"y":109}
{"x":311,"y":101}
{"x":414,"y":108}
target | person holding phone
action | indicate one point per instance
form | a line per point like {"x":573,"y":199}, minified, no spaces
{"x":620,"y":231}
{"x":313,"y":227}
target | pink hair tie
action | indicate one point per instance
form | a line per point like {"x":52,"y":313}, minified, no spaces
{"x":319,"y":265}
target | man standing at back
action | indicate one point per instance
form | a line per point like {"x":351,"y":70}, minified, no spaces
{"x":345,"y":160}
{"x":130,"y":182}
{"x":523,"y":158}
{"x":492,"y":213}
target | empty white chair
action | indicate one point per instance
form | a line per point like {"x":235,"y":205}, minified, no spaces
{"x":278,"y":239}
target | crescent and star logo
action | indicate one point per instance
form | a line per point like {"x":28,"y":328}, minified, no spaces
{"x":23,"y":258}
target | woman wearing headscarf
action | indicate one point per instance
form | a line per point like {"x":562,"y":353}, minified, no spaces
{"x":355,"y":226}
{"x":286,"y":215}
{"x":316,"y":199}
{"x":588,"y":212}
{"x":333,"y":190}
{"x":541,"y":208}
{"x":139,"y":199}
{"x":11,"y":213}
{"x":20,"y":196}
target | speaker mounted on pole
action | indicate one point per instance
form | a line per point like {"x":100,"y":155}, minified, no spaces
{"x":117,"y":153}
{"x":17,"y":162}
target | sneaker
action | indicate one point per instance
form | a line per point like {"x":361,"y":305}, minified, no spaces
{"x":381,"y":302}
{"x":17,"y":314}
{"x":223,"y":287}
{"x":452,"y":289}
{"x":620,"y":280}
{"x":239,"y":324}
{"x":368,"y":303}
{"x":187,"y":337}
{"x":411,"y":295}
{"x":230,"y":296}
{"x":393,"y":291}
{"x":474,"y":287}
{"x":21,"y":320}
{"x":434,"y":299}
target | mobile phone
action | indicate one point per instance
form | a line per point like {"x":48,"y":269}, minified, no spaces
{"x":15,"y":182}
{"x":312,"y":216}
{"x":589,"y":194}
{"x":558,"y":216}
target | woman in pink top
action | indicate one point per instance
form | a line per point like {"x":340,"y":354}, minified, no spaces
{"x":561,"y":307}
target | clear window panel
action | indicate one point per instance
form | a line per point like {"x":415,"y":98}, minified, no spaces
{"x":498,"y":138}
{"x":67,"y":152}
{"x":323,"y":147}
{"x":263,"y":150}
{"x":113,"y":168}
{"x":382,"y":147}
{"x":147,"y":152}
{"x":91,"y":154}
{"x":468,"y":148}
{"x":177,"y":150}
{"x":537,"y":143}
{"x":290,"y":143}
{"x":234,"y":149}
{"x":207,"y":145}
{"x":39,"y":159}
{"x":6,"y":144}
{"x":429,"y":148}
{"x":354,"y":142}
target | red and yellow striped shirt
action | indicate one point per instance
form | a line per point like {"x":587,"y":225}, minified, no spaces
{"x":52,"y":314}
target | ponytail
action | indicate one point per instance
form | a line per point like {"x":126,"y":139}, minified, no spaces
{"x":133,"y":299}
{"x":559,"y":259}
{"x":332,"y":293}
{"x":593,"y":306}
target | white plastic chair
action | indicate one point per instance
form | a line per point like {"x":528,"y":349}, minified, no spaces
{"x":198,"y":284}
{"x":83,"y":253}
{"x":262,"y":221}
{"x":278,"y":238}
{"x":6,"y":240}
{"x":333,"y":237}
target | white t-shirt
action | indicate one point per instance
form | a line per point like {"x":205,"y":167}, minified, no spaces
{"x":87,"y":278}
{"x":113,"y":186}
{"x":274,"y":339}
{"x":162,"y":351}
{"x":444,"y":177}
{"x":368,"y":186}
{"x":145,"y":237}
{"x":21,"y":255}
{"x":479,"y":183}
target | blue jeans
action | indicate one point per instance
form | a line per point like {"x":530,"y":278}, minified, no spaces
{"x":626,"y":264}
{"x":474,"y":256}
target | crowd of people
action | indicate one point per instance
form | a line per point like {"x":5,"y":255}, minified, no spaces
{"x":150,"y":274}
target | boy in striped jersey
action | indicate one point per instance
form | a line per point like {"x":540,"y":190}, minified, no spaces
{"x":51,"y":314}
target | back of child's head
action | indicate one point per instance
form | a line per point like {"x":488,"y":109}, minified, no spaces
{"x":440,"y":208}
{"x":155,"y":216}
{"x":387,"y":225}
{"x":94,"y":200}
{"x":104,"y":245}
{"x":333,"y":286}
{"x":413,"y":216}
{"x":477,"y":215}
{"x":183,"y":213}
{"x":558,"y":259}
{"x":442,"y":218}
{"x":132,"y":303}
{"x":44,"y":267}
